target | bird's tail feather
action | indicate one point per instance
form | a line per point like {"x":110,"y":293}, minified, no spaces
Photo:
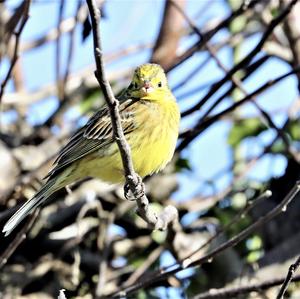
{"x":29,"y":206}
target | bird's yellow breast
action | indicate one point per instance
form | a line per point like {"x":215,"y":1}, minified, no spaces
{"x":154,"y":146}
{"x":152,"y":143}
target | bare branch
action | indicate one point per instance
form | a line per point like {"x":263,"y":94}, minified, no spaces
{"x":190,"y":135}
{"x":166,"y":45}
{"x":237,"y":83}
{"x":293,"y":268}
{"x":292,"y":30}
{"x":275,"y":22}
{"x":25,"y":17}
{"x":132,"y":179}
{"x":61,"y":84}
{"x":207,"y":35}
{"x":195,"y":255}
{"x":232,"y":292}
{"x":18,"y":239}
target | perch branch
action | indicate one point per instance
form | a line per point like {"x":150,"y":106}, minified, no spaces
{"x":134,"y":182}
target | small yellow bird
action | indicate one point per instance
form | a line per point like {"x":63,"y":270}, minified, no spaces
{"x":150,"y":119}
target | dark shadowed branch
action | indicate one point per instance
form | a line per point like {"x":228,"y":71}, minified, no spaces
{"x":18,"y":239}
{"x":292,"y":269}
{"x":232,"y":292}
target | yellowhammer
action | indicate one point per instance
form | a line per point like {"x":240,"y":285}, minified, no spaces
{"x":150,"y":120}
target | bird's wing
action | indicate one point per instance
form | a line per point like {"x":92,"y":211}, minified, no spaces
{"x":96,"y":134}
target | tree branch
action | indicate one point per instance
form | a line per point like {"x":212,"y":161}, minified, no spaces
{"x":293,"y":268}
{"x":190,"y":135}
{"x":164,"y":52}
{"x":25,"y":17}
{"x":274,"y":23}
{"x":237,"y":83}
{"x":18,"y":239}
{"x":232,"y":292}
{"x":134,"y":182}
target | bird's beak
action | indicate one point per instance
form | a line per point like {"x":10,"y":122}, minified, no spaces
{"x":147,"y":84}
{"x":147,"y":87}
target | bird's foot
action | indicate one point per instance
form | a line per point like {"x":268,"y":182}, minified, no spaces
{"x":138,"y":192}
{"x":127,"y":193}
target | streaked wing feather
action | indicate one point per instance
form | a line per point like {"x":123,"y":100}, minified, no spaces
{"x":96,"y":134}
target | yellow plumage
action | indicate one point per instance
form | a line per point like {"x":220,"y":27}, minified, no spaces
{"x":150,"y":120}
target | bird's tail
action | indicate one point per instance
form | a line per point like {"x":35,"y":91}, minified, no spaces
{"x":29,"y":206}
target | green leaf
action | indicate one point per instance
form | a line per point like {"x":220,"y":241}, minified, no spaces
{"x":181,"y":164}
{"x":254,"y":243}
{"x":91,"y":97}
{"x":278,"y":147}
{"x":294,"y":129}
{"x":239,"y":23}
{"x":275,"y":11}
{"x":244,"y":128}
{"x":254,"y":256}
{"x":159,"y":236}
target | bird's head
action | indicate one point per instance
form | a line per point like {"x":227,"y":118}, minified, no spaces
{"x":149,"y":82}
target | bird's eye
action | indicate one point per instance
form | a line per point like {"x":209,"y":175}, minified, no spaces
{"x":159,"y":84}
{"x":135,"y":85}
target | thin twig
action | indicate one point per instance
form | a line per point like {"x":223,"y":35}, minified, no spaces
{"x":190,"y":135}
{"x":247,"y":59}
{"x":61,"y":84}
{"x":19,"y":238}
{"x":47,"y":37}
{"x":58,"y":47}
{"x":245,"y":6}
{"x":247,"y":72}
{"x":292,"y":269}
{"x":236,"y":81}
{"x":233,"y":292}
{"x":170,"y":213}
{"x":104,"y":247}
{"x":153,"y":256}
{"x":250,"y":205}
{"x":16,"y":49}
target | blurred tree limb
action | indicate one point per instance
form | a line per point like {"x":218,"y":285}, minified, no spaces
{"x":22,"y":14}
{"x":167,"y":42}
